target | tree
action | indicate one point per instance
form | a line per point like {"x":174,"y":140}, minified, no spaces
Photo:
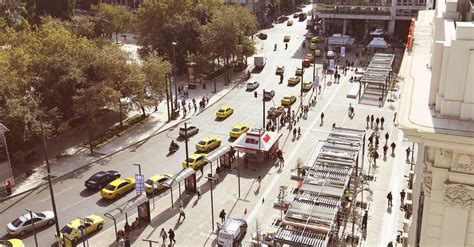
{"x":112,"y":19}
{"x":156,"y":69}
{"x":62,"y":9}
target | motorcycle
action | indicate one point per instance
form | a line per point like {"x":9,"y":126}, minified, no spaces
{"x":173,"y":148}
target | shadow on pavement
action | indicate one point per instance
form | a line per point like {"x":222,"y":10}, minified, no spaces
{"x":88,"y":192}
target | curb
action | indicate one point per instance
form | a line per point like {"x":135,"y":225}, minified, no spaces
{"x":58,"y":178}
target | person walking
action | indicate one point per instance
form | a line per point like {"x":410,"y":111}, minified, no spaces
{"x":294,"y":133}
{"x":389,"y":199}
{"x":394,"y":118}
{"x":371,"y":139}
{"x":402,"y":196}
{"x":393,"y":145}
{"x":299,"y":131}
{"x":372,"y":121}
{"x":322,"y":118}
{"x":368,"y":120}
{"x":408,"y":151}
{"x":386,"y":137}
{"x":163,"y":235}
{"x":376,"y":156}
{"x":382,"y":120}
{"x":198,"y":191}
{"x":364,"y":220}
{"x":171,"y":236}
{"x":222,"y":215}
{"x":377,"y":142}
{"x":377,"y":121}
{"x":385,"y":148}
{"x":181,"y":214}
{"x":8,"y":187}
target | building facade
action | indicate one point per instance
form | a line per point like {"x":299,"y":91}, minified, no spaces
{"x":437,"y":112}
{"x":259,"y":8}
{"x":347,"y":16}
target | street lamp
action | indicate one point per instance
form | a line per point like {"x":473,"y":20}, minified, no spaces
{"x":150,"y":241}
{"x":33,"y":224}
{"x":174,"y":75}
{"x":45,"y":150}
{"x":139,"y":168}
{"x":212,"y":179}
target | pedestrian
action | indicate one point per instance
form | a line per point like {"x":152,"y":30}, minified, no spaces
{"x":372,"y":121}
{"x":198,"y":191}
{"x":394,"y":118}
{"x":181,"y":214}
{"x":163,"y":235}
{"x":385,"y":148}
{"x":333,"y":125}
{"x":259,"y":180}
{"x":216,"y":176}
{"x":377,"y":142}
{"x":393,"y":145}
{"x":222,"y":215}
{"x":380,"y":101}
{"x":201,"y":168}
{"x":377,"y":121}
{"x":364,"y":220}
{"x":189,"y":106}
{"x":371,"y":139}
{"x":402,"y":196}
{"x":408,"y":150}
{"x":126,"y":228}
{"x":171,"y":236}
{"x":195,"y":108}
{"x":322,"y":118}
{"x":8,"y":187}
{"x":294,"y":133}
{"x":382,"y":120}
{"x":303,"y":172}
{"x":386,"y":137}
{"x":299,"y":131}
{"x":389,"y":199}
{"x":376,"y":156}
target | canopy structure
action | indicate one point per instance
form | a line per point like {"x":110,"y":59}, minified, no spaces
{"x":311,"y":216}
{"x":378,"y":43}
{"x":377,"y":76}
{"x":256,"y":140}
{"x":181,"y":176}
{"x":126,"y":207}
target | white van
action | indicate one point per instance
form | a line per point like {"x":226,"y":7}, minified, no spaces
{"x":232,"y":232}
{"x":192,"y":130}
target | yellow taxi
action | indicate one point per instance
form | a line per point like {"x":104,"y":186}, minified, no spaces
{"x":286,"y":38}
{"x":317,"y":53}
{"x":208,"y":143}
{"x":299,"y":72}
{"x":157,"y":180}
{"x":195,"y":161}
{"x":238,"y":130}
{"x":12,"y":243}
{"x":313,"y":46}
{"x":224,"y":112}
{"x":310,"y":56}
{"x":307,"y":86}
{"x":317,"y":39}
{"x":280,"y":70}
{"x":91,"y":224}
{"x":293,"y":81}
{"x":288,"y":100}
{"x":289,"y":23}
{"x":117,"y":187}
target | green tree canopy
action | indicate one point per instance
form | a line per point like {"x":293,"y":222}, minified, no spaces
{"x":112,"y":19}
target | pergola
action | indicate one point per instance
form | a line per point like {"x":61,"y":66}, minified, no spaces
{"x":311,"y":216}
{"x":378,"y":73}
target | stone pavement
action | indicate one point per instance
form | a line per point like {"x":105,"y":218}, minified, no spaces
{"x":68,"y":153}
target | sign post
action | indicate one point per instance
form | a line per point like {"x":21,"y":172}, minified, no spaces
{"x":139,"y":183}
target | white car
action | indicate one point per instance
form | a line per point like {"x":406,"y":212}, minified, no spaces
{"x":192,"y":130}
{"x":24,"y":224}
{"x":252,"y":85}
{"x":377,"y":32}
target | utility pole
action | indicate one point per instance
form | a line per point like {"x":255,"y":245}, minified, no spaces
{"x":33,"y":224}
{"x":263,"y":101}
{"x":186,"y":142}
{"x":174,"y":73}
{"x":168,"y":100}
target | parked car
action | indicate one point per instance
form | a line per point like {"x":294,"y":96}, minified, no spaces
{"x":377,"y":32}
{"x":232,"y":232}
{"x":302,"y":16}
{"x":117,"y":188}
{"x":252,"y":86}
{"x":12,"y":243}
{"x":293,"y":81}
{"x":91,"y":224}
{"x":288,"y":100}
{"x":238,"y":130}
{"x":286,"y":38}
{"x":262,"y":36}
{"x":317,"y":53}
{"x":195,"y":161}
{"x":101,"y":179}
{"x":207,"y":144}
{"x":276,"y":111}
{"x":224,"y":112}
{"x":317,"y":39}
{"x":156,"y":181}
{"x":268,"y":95}
{"x":289,"y":23}
{"x":310,"y":56}
{"x":280,"y":70}
{"x":307,"y":86}
{"x":192,"y":130}
{"x":296,"y":15}
{"x":299,"y":72}
{"x":313,"y":46}
{"x":306,"y":63}
{"x":309,"y":35}
{"x":24,"y":224}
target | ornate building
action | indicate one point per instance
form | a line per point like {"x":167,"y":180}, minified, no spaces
{"x":436,"y":112}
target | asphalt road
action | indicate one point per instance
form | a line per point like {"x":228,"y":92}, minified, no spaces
{"x":74,"y":201}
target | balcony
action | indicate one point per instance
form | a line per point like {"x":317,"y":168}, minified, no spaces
{"x":374,"y":11}
{"x":355,"y":3}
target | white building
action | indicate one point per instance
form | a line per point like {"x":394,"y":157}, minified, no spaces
{"x":259,"y":8}
{"x":437,"y":111}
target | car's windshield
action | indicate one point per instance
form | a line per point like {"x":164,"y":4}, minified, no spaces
{"x":5,"y":244}
{"x":249,"y":84}
{"x":67,"y":230}
{"x":221,"y":110}
{"x":16,"y":222}
{"x":97,"y":176}
{"x":202,"y":142}
{"x":190,"y":160}
{"x":236,"y":129}
{"x":225,"y":236}
{"x":110,"y":187}
{"x":149,"y":182}
{"x":41,"y":215}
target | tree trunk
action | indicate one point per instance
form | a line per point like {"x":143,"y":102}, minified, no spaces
{"x":143,"y":111}
{"x":120,"y":114}
{"x":116,"y":38}
{"x":91,"y":135}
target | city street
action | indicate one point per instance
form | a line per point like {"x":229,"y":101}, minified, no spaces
{"x":73,"y":200}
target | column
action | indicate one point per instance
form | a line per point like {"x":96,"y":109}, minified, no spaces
{"x":344,"y":24}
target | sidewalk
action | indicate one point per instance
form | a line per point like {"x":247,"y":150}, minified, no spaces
{"x":68,"y":153}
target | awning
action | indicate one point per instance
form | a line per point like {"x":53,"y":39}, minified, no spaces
{"x":256,"y":140}
{"x":126,"y":207}
{"x":181,"y":176}
{"x":216,"y":154}
{"x":378,"y":43}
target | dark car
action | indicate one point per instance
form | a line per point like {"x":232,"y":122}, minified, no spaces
{"x":268,"y":95}
{"x":296,"y":15}
{"x":302,"y":16}
{"x":262,"y":36}
{"x":101,"y":179}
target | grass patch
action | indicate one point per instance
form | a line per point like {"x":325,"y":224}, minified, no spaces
{"x":117,"y":131}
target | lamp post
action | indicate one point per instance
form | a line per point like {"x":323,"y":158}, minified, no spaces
{"x":33,"y":224}
{"x":263,"y":102}
{"x":150,"y":241}
{"x":45,"y":150}
{"x":174,"y":75}
{"x":212,"y":179}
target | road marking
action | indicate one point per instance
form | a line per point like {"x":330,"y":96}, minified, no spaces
{"x":74,"y":204}
{"x":360,"y":106}
{"x":56,"y":194}
{"x":291,"y":157}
